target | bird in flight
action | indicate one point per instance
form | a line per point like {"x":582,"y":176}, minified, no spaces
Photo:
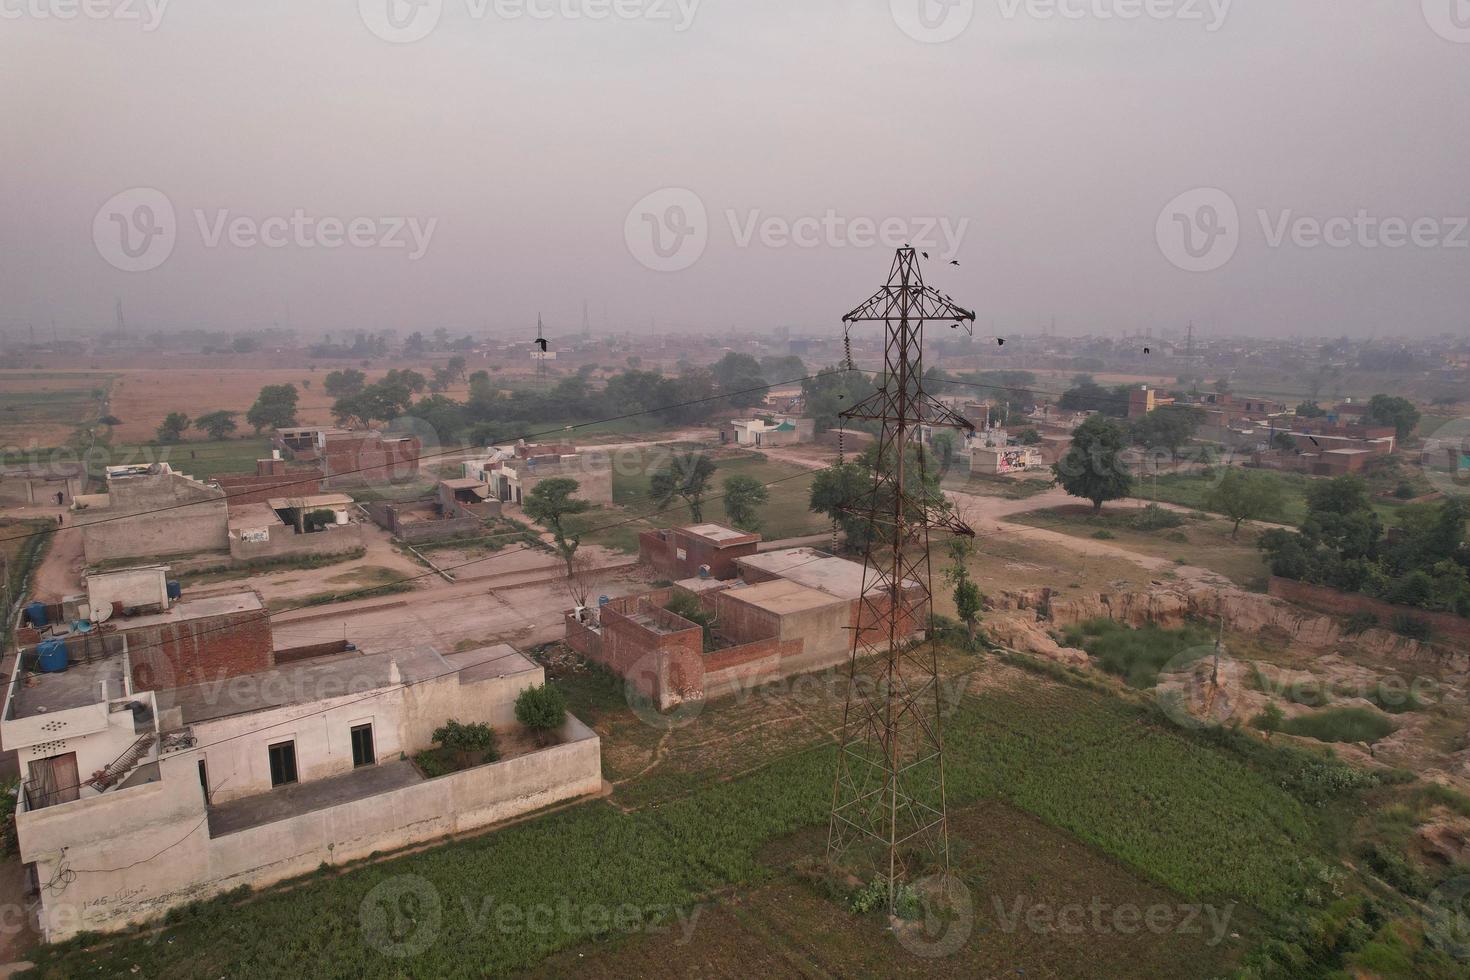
{"x":1148,"y":350}
{"x":541,"y":342}
{"x":954,"y":261}
{"x":925,"y":254}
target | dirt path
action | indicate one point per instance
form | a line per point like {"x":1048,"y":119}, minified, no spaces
{"x":60,"y":572}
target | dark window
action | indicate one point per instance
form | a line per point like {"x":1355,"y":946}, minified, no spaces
{"x":362,"y":746}
{"x":204,"y":780}
{"x":283,"y":763}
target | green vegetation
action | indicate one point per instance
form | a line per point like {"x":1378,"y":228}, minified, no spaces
{"x":542,"y":710}
{"x":262,"y":566}
{"x":1341,"y":725}
{"x":743,"y":497}
{"x":684,"y":476}
{"x":550,"y":504}
{"x":458,"y":746}
{"x":1341,"y":544}
{"x":274,"y":408}
{"x":839,"y":491}
{"x":687,"y":606}
{"x":1136,"y":655}
{"x":201,"y":460}
{"x":1093,"y":467}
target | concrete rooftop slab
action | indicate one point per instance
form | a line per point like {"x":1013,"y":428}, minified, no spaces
{"x":76,"y":687}
{"x":285,"y":802}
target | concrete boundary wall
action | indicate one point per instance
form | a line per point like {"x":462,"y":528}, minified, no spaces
{"x":166,"y":833}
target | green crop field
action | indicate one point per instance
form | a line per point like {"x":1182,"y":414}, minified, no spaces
{"x":785,"y":515}
{"x":202,"y":459}
{"x":1148,"y":811}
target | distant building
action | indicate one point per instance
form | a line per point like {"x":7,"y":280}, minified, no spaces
{"x":511,"y":472}
{"x":775,"y":430}
{"x":1000,"y":460}
{"x":41,"y":484}
{"x":701,"y":550}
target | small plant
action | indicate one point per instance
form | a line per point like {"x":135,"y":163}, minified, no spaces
{"x":1360,"y":621}
{"x":870,"y":897}
{"x":468,"y":744}
{"x":1104,"y":535}
{"x":1411,"y":627}
{"x":542,"y":710}
{"x":1341,"y":725}
{"x":1156,"y":518}
{"x":1270,"y":720}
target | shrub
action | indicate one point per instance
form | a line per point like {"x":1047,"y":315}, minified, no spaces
{"x":542,"y":710}
{"x":1341,"y":725}
{"x":1411,"y":627}
{"x":1134,"y":655}
{"x":1360,"y":621}
{"x":467,"y":742}
{"x":1156,"y":518}
{"x":1104,"y":535}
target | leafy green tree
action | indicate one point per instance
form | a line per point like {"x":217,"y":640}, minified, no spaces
{"x":541,"y":710}
{"x":1168,"y":427}
{"x":1271,"y":720}
{"x":1093,"y":468}
{"x":173,"y":426}
{"x":968,"y":599}
{"x":1245,"y":495}
{"x":219,"y":425}
{"x":832,"y":391}
{"x":845,"y":492}
{"x":549,"y":504}
{"x":1340,"y":516}
{"x":274,"y":407}
{"x":444,"y":415}
{"x":736,"y":375}
{"x":456,"y":367}
{"x":743,"y":498}
{"x":1395,"y":411}
{"x":1310,"y":410}
{"x":466,"y":741}
{"x":787,"y":369}
{"x":345,"y":382}
{"x":686,"y":476}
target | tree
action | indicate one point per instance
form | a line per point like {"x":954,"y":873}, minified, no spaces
{"x":1271,"y":719}
{"x":346,"y":382}
{"x":832,"y":391}
{"x":541,"y":710}
{"x":1310,"y":410}
{"x":1395,"y":411}
{"x":968,"y":600}
{"x":737,"y":374}
{"x":275,"y":407}
{"x":1242,"y":495}
{"x":466,"y":741}
{"x":549,"y":503}
{"x":686,"y":476}
{"x":218,"y":424}
{"x":1093,"y":467}
{"x":1168,"y":427}
{"x":173,"y":426}
{"x":845,"y":491}
{"x":744,"y":496}
{"x":456,"y":367}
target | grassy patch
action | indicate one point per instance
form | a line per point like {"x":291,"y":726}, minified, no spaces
{"x":263,"y":566}
{"x":1136,"y":655}
{"x":202,"y":460}
{"x":1341,"y":725}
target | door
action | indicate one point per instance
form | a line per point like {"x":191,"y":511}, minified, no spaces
{"x":54,"y":780}
{"x":362,"y":746}
{"x":283,"y":763}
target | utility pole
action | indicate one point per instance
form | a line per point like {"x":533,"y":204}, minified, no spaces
{"x":888,"y":806}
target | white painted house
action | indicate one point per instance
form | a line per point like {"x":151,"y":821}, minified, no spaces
{"x":134,"y":804}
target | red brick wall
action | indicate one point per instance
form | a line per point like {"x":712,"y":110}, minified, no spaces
{"x":1449,"y":629}
{"x":206,"y":649}
{"x":663,"y":555}
{"x":259,"y":489}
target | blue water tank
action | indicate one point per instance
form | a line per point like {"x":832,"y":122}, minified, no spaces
{"x":36,"y":614}
{"x":174,"y":590}
{"x":602,"y":600}
{"x":52,"y":655}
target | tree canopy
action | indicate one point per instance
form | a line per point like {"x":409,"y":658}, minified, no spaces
{"x":1093,"y":467}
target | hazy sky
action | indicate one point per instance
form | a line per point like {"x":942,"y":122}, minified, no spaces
{"x":519,"y":146}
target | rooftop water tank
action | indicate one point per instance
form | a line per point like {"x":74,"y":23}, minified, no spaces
{"x":36,"y":614}
{"x":51,"y":655}
{"x":174,"y":590}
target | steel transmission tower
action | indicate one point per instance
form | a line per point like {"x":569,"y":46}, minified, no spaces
{"x":888,"y":799}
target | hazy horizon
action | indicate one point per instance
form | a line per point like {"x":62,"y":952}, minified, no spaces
{"x":524,"y":158}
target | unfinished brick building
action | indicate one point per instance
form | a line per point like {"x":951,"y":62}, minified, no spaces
{"x":789,"y":612}
{"x":703,"y":550}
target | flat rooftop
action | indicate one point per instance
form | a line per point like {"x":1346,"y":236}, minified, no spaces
{"x":187,"y":609}
{"x":252,"y":517}
{"x":815,"y":570}
{"x":282,"y":686}
{"x":285,"y":802}
{"x":783,"y":597}
{"x":311,"y":500}
{"x":76,"y":687}
{"x":720,"y":534}
{"x":464,"y":484}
